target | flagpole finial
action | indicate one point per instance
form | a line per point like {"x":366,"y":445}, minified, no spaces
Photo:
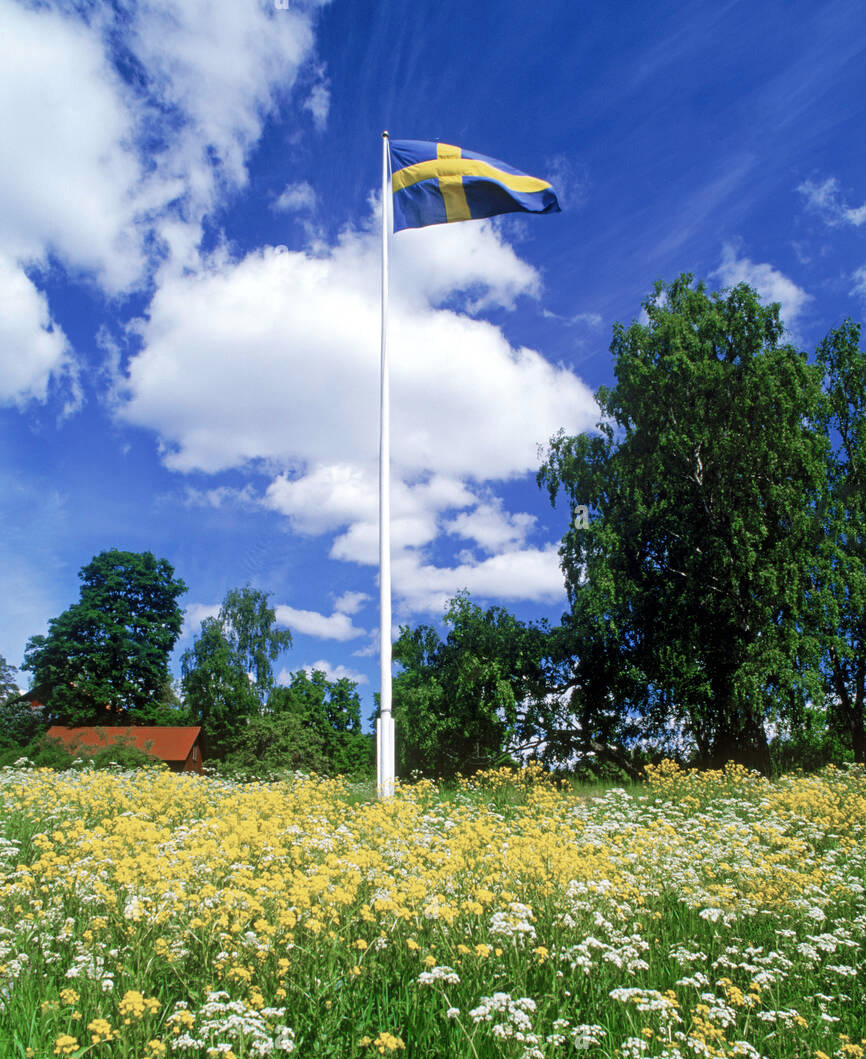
{"x":385,"y":135}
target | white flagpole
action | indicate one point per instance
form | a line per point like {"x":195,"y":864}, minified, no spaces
{"x":385,"y":725}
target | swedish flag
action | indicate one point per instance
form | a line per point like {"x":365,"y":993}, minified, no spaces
{"x":436,"y":183}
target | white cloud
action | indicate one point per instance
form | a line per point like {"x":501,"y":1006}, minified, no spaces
{"x":351,"y":602}
{"x":327,"y":497}
{"x":69,"y":169}
{"x":592,"y":321}
{"x":94,"y":167}
{"x":318,"y":103}
{"x":276,"y":357}
{"x":529,"y":574}
{"x":33,"y":350}
{"x":491,"y":527}
{"x":859,"y":278}
{"x":221,"y":103}
{"x":274,"y":360}
{"x":770,"y":284}
{"x":826,"y":199}
{"x":194,"y":615}
{"x":221,"y":496}
{"x":337,"y":626}
{"x":432,"y":265}
{"x":296,"y":197}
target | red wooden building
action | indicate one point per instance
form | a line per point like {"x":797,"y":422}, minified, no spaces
{"x":179,"y":748}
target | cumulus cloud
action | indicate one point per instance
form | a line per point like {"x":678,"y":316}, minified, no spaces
{"x":275,"y":358}
{"x":194,"y":614}
{"x":351,"y":602}
{"x":33,"y":350}
{"x":337,"y":626}
{"x":221,"y":106}
{"x":527,"y":574}
{"x":771,"y":285}
{"x":491,"y":527}
{"x":69,"y":169}
{"x":148,"y":160}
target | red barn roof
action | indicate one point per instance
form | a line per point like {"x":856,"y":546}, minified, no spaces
{"x":178,"y":747}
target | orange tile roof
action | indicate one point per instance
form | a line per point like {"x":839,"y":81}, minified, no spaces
{"x":168,"y":744}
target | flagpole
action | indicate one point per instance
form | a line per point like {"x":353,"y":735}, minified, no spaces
{"x":385,"y":723}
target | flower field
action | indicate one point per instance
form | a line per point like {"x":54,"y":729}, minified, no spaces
{"x":150,"y":914}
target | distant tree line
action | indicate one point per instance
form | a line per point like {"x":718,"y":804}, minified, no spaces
{"x":715,"y":567}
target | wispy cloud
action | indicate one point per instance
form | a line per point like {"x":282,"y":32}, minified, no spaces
{"x":827,"y":201}
{"x":296,"y":198}
{"x":859,"y":278}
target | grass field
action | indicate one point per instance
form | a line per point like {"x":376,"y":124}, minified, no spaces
{"x":150,"y":914}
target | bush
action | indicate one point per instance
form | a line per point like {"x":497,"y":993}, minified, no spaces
{"x":47,"y":752}
{"x":19,"y":725}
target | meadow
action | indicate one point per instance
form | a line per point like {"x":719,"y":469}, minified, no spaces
{"x":148,"y":914}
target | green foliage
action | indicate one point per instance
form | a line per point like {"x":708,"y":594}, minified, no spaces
{"x":8,"y":683}
{"x":165,"y":709}
{"x":688,"y":587}
{"x":841,"y":576}
{"x":216,"y":687}
{"x":106,"y":656}
{"x":227,"y":674}
{"x":19,"y":724}
{"x":312,"y":725}
{"x":249,"y":626}
{"x":331,"y":710}
{"x":808,"y":745}
{"x":460,"y":704}
{"x":272,"y":745}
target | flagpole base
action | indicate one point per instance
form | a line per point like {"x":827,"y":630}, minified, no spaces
{"x":385,"y":778}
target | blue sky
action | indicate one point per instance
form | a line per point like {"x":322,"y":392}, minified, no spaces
{"x":189,"y":276}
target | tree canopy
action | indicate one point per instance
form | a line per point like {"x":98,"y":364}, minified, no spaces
{"x":107,"y":655}
{"x":8,"y":681}
{"x":689,"y":586}
{"x":227,"y":675}
{"x":841,"y":576}
{"x":459,"y":703}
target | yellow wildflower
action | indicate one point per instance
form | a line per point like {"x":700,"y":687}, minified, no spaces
{"x":100,"y":1030}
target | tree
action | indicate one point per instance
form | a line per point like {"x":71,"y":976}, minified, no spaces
{"x":19,"y":722}
{"x":311,"y":725}
{"x":842,"y":563}
{"x":688,"y":587}
{"x":459,"y":704}
{"x":330,"y":713}
{"x":166,"y":709}
{"x":106,"y":656}
{"x":227,"y":674}
{"x":8,"y":682}
{"x":249,"y":625}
